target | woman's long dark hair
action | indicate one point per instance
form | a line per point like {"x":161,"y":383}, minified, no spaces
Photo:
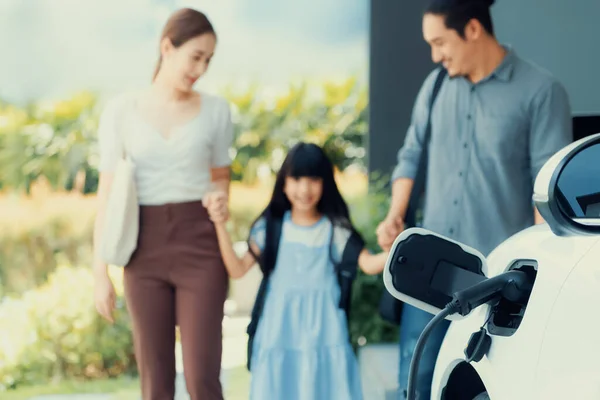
{"x":309,"y":160}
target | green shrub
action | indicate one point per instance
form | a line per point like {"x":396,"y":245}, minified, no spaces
{"x":331,"y":114}
{"x":39,"y":232}
{"x":366,"y":325}
{"x":54,"y":332}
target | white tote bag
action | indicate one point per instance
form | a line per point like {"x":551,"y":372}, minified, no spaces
{"x":121,"y":220}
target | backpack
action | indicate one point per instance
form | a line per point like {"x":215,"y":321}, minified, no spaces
{"x":345,"y":268}
{"x":390,"y":308}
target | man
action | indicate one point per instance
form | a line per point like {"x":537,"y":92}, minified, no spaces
{"x":496,"y":120}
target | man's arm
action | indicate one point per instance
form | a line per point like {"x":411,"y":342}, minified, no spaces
{"x":551,"y":128}
{"x":401,"y":190}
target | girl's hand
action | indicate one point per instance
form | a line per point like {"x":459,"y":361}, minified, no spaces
{"x":219,"y":214}
{"x":372,"y":264}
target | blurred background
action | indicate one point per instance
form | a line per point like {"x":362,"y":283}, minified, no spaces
{"x":290,"y":71}
{"x":341,"y":73}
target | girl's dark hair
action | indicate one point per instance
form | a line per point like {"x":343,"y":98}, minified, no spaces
{"x":309,"y":160}
{"x":183,"y":25}
{"x":458,"y":13}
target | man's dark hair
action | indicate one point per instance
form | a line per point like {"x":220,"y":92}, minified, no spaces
{"x":458,"y":13}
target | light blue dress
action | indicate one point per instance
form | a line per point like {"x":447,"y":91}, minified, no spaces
{"x":301,"y":347}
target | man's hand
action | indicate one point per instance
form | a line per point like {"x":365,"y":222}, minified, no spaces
{"x":393,"y":224}
{"x":388,"y":230}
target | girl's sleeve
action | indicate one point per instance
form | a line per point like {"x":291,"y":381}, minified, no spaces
{"x":223,"y":136}
{"x":343,"y":237}
{"x":340,"y":238}
{"x":258,"y":233}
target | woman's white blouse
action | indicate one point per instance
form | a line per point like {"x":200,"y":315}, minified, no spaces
{"x":168,"y":170}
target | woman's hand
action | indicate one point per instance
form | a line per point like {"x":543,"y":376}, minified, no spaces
{"x":104,"y":292}
{"x":104,"y":296}
{"x":216,"y":204}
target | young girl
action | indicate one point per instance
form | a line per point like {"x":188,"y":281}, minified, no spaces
{"x":301,"y":348}
{"x":178,"y":139}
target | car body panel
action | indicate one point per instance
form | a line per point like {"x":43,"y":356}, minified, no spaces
{"x":510,"y":367}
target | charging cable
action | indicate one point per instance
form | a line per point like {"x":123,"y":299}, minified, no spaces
{"x":511,"y":285}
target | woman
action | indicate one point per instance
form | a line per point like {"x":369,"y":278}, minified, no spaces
{"x":179,"y":140}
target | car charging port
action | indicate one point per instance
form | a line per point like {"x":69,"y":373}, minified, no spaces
{"x":506,"y":315}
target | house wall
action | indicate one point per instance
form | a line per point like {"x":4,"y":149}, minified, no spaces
{"x":561,"y":36}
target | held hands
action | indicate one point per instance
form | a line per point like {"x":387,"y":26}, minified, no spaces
{"x":388,"y":230}
{"x":216,"y":204}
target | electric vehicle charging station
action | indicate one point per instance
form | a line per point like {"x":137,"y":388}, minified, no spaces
{"x":524,"y":323}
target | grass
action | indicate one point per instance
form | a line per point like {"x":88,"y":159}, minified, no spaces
{"x":124,"y":388}
{"x":236,"y":388}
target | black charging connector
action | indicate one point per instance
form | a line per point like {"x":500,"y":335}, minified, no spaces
{"x":512,"y":285}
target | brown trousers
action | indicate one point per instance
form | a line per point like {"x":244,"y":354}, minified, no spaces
{"x":176,"y":277}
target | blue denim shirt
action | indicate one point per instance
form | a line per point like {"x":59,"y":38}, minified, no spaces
{"x":488,"y":142}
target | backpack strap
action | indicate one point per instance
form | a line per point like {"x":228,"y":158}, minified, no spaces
{"x":347,"y":269}
{"x":267,"y":261}
{"x":416,"y":195}
{"x":439,"y":79}
{"x":268,"y":256}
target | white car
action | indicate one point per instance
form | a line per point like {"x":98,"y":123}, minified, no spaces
{"x":538,"y":329}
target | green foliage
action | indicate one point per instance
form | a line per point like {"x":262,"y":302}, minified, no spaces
{"x":333,"y":115}
{"x":54,"y":141}
{"x":58,"y":141}
{"x":366,"y":325}
{"x":54,"y":332}
{"x":39,"y":232}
